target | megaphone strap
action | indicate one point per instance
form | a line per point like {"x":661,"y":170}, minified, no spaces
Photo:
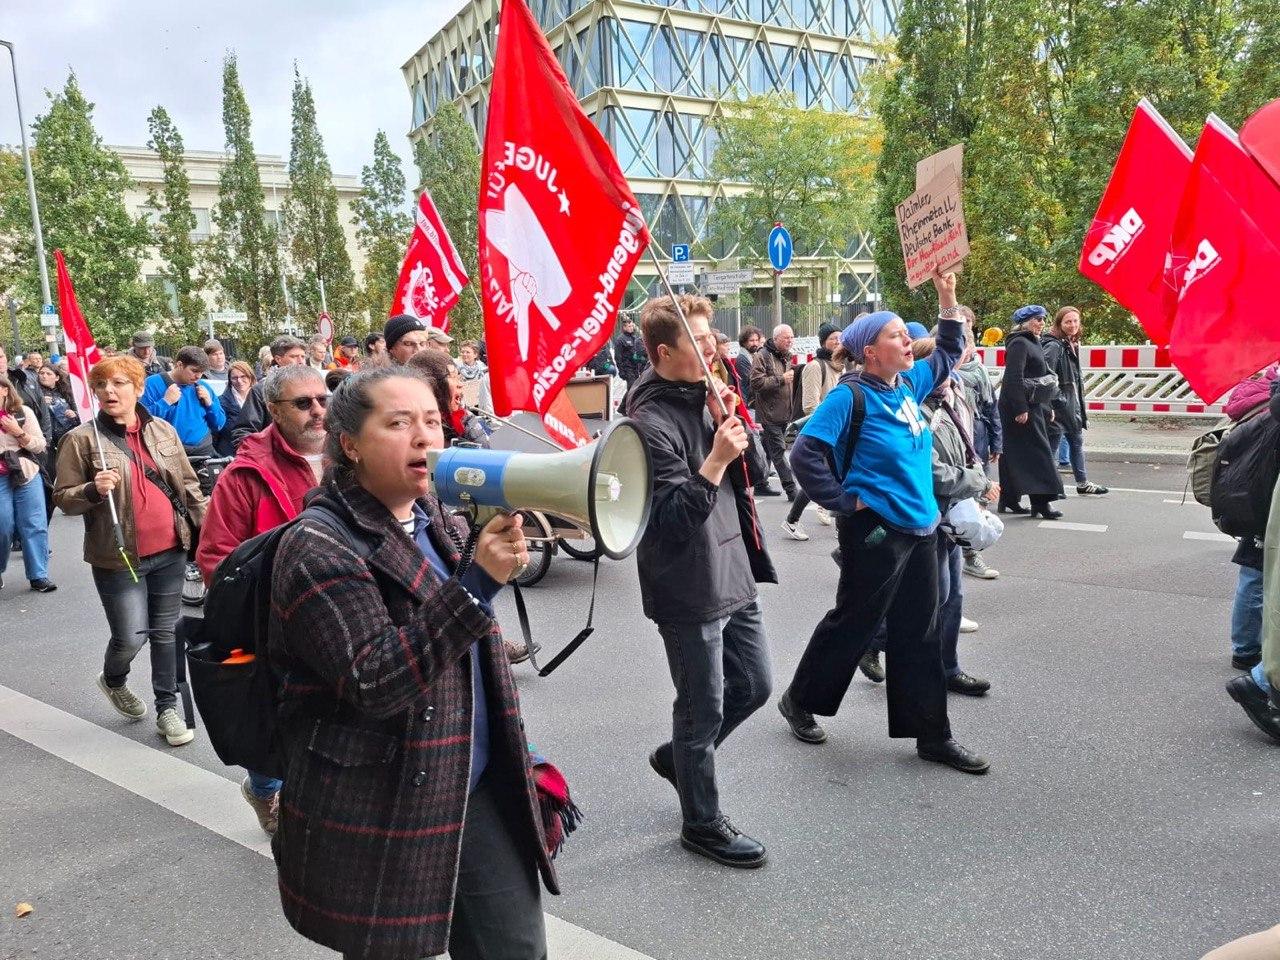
{"x":585,"y":632}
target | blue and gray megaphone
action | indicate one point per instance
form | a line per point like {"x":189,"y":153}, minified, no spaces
{"x":605,"y":487}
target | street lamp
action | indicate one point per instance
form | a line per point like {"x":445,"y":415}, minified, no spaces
{"x":31,"y":182}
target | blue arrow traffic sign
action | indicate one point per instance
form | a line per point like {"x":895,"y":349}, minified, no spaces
{"x":680,"y":253}
{"x":780,"y":247}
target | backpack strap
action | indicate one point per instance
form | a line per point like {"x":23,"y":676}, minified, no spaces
{"x":336,"y":525}
{"x":856,"y":419}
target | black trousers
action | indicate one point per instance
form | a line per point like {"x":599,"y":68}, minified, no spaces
{"x":889,"y":576}
{"x":775,"y":451}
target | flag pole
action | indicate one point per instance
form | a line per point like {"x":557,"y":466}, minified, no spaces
{"x":684,"y":321}
{"x":116,"y":528}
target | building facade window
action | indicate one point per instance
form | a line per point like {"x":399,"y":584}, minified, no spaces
{"x":203,"y":224}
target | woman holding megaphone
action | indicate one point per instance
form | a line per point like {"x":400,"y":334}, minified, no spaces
{"x":409,"y":819}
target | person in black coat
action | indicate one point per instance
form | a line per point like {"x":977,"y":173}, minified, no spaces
{"x":1027,"y":466}
{"x":628,"y":350}
{"x":1070,"y":413}
{"x":750,"y":339}
{"x":699,"y":561}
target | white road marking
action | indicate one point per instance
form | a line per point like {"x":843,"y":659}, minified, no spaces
{"x":1213,"y":536}
{"x":1187,"y":502}
{"x":204,"y":798}
{"x":1067,"y":525}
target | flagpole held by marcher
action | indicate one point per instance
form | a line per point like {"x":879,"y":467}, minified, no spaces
{"x":684,"y":322}
{"x":116,"y":529}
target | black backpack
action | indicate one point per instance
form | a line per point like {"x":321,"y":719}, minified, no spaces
{"x":1244,"y":477}
{"x":233,"y":683}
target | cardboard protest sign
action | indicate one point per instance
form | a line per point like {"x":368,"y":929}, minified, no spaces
{"x":931,"y":226}
{"x":931,"y":166}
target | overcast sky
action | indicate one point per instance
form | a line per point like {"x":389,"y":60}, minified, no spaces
{"x":130,"y":55}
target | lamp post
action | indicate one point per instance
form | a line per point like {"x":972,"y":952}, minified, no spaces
{"x":31,"y":182}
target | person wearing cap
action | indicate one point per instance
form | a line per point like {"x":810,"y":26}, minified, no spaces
{"x":1027,"y":466}
{"x":887,"y":523}
{"x":347,"y":354}
{"x":405,"y":336}
{"x":816,"y":381}
{"x":439,"y":340}
{"x":143,"y":349}
{"x":218,"y":368}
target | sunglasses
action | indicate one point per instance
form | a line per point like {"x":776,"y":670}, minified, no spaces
{"x":304,"y":403}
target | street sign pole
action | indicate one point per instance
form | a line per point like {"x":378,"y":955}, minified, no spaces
{"x":777,"y":298}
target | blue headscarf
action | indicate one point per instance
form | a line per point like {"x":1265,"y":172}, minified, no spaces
{"x":863,"y":331}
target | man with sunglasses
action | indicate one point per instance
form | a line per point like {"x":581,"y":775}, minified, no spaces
{"x":262,"y":488}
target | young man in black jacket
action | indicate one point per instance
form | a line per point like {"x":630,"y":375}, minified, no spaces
{"x":699,"y":562}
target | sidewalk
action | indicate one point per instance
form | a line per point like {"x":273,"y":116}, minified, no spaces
{"x":1122,"y":438}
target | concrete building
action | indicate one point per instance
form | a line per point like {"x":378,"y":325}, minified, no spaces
{"x":204,"y":168}
{"x":654,"y":76}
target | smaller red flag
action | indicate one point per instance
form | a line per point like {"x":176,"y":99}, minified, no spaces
{"x":1222,"y":268}
{"x":432,"y":275}
{"x":1124,"y":248}
{"x":82,"y":351}
{"x":1261,"y":137}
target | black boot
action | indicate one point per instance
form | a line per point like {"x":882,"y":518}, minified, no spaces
{"x":722,"y":842}
{"x":870,"y":666}
{"x":1257,"y":707}
{"x":952,"y":754}
{"x":802,"y":724}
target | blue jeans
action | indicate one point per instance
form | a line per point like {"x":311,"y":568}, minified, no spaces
{"x":950,"y":602}
{"x":142,"y":611}
{"x":262,"y":786}
{"x":1246,"y":613}
{"x":722,"y":676}
{"x":1260,"y":678}
{"x":22,"y":509}
{"x":1064,"y":452}
{"x":1074,"y":444}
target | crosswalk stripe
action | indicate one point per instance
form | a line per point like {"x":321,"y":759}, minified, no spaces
{"x":206,"y":799}
{"x":1068,"y":525}
{"x":1213,"y":536}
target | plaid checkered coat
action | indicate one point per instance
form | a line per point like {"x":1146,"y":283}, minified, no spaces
{"x":376,"y":726}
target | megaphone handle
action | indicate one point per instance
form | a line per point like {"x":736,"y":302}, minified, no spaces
{"x":585,"y":632}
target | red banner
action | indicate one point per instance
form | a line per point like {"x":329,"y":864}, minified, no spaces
{"x":1261,"y":137}
{"x":82,"y":351}
{"x":560,"y":230}
{"x":432,"y":275}
{"x":1222,"y":268}
{"x":1124,"y":249}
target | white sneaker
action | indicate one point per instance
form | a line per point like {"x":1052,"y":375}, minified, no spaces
{"x":122,"y":698}
{"x":171,"y":726}
{"x":794,"y":531}
{"x":824,"y":517}
{"x":967,"y":625}
{"x":975,"y":566}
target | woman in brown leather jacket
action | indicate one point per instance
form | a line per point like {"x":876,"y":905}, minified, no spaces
{"x":159,"y":504}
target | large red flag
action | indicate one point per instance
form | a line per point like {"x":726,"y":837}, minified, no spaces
{"x":1222,"y":269}
{"x":82,"y":351}
{"x":560,"y":230}
{"x":432,"y":275}
{"x":1261,"y":137}
{"x":1124,"y":248}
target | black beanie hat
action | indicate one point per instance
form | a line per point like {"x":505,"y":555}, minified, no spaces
{"x":398,"y":326}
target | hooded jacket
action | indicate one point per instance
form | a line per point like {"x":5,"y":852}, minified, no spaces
{"x":954,"y":479}
{"x":261,"y":488}
{"x":703,"y":552}
{"x":1063,"y":361}
{"x":771,"y":394}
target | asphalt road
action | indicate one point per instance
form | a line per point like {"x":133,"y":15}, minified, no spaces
{"x":1126,"y":815}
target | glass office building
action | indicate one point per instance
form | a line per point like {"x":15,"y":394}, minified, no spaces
{"x":654,"y":76}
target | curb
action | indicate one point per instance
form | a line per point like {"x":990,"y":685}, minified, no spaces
{"x":1117,"y":455}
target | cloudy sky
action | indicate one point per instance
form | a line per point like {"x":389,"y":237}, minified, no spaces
{"x":133,"y":54}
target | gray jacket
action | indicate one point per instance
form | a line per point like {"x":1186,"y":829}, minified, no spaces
{"x":953,"y":479}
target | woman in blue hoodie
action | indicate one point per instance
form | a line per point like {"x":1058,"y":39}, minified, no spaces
{"x":867,"y":456}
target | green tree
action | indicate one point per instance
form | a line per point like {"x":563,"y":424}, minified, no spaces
{"x":382,"y":226}
{"x":81,"y":187}
{"x":811,"y":169}
{"x":316,"y":240}
{"x":449,"y":162}
{"x":176,"y":222}
{"x":242,"y":257}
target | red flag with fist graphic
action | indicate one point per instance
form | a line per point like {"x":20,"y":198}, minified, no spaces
{"x":1125,"y":246}
{"x":560,"y":230}
{"x":432,"y":275}
{"x":1222,"y":267}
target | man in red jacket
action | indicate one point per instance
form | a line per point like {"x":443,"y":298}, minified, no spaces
{"x":262,"y":488}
